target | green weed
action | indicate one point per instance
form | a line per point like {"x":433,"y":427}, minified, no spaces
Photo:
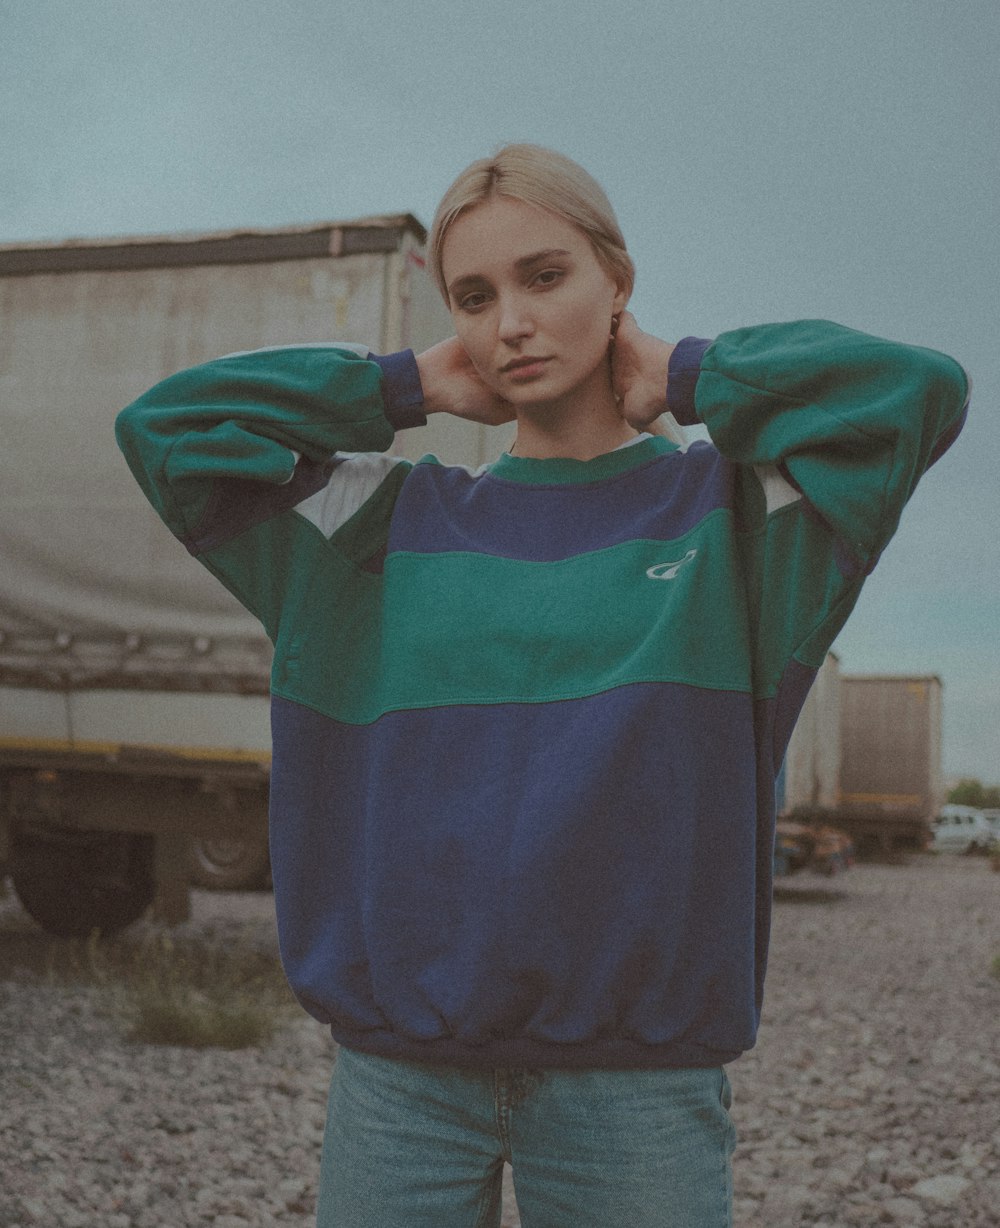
{"x":167,"y":992}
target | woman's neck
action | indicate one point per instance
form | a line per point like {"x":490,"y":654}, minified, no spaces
{"x":584,"y":425}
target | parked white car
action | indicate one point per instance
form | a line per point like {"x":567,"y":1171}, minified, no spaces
{"x":963,"y":829}
{"x":993,"y":818}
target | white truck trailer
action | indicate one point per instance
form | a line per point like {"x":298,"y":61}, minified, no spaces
{"x":865,"y":757}
{"x":809,"y":781}
{"x":891,"y":785}
{"x":133,"y":687}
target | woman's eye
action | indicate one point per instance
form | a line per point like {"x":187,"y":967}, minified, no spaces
{"x":472,"y":301}
{"x":548,"y":277}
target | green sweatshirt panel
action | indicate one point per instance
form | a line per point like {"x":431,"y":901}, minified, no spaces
{"x":335,"y":618}
{"x":328,"y":653}
{"x":319,"y":606}
{"x":184,"y":434}
{"x":320,"y":610}
{"x":464,"y":628}
{"x":592,"y":622}
{"x":837,"y":408}
{"x":270,"y":568}
{"x":802,"y":596}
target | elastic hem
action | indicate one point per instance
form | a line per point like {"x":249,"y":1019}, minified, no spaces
{"x":685,"y":367}
{"x":402,"y":392}
{"x":614,"y":1054}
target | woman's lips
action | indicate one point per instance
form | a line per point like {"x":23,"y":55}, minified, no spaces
{"x":525,"y":368}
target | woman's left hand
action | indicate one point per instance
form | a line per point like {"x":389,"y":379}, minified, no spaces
{"x":639,"y":366}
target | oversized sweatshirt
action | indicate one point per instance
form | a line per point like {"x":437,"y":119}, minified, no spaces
{"x":527,"y":720}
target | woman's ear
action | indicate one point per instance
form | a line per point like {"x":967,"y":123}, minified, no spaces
{"x":618,"y":305}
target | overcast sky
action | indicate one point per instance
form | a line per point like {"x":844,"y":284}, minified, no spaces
{"x":769,"y":159}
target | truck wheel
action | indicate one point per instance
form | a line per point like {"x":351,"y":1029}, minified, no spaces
{"x":230,"y":864}
{"x":74,"y":882}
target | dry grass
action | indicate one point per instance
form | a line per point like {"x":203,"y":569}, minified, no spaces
{"x":190,"y":993}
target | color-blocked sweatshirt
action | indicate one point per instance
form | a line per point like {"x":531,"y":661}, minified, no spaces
{"x":527,"y":720}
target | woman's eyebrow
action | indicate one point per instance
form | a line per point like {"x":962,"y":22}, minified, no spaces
{"x":522,"y":264}
{"x":526,"y":262}
{"x":464,"y":283}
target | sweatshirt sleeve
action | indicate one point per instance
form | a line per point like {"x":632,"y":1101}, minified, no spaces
{"x":252,"y":416}
{"x":224,"y":451}
{"x":850,"y":421}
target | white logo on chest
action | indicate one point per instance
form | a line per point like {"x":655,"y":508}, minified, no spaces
{"x":667,"y":571}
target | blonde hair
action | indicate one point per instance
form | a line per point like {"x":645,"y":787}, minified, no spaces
{"x":548,"y":180}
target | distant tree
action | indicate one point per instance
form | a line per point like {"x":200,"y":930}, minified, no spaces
{"x":975,"y":793}
{"x":966,"y":793}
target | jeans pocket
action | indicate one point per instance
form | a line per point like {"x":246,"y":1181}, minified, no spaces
{"x":726,"y":1100}
{"x":726,"y":1091}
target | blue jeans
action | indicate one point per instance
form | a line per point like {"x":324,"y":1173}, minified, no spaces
{"x":409,"y":1145}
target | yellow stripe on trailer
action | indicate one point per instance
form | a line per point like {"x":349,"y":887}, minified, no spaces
{"x":882,"y":799}
{"x":116,"y":750}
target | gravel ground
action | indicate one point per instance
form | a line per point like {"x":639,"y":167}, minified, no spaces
{"x":870,"y":1099}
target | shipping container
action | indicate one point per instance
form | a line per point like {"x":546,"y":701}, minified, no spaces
{"x":133,"y":687}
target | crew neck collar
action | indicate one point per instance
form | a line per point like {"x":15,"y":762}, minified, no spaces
{"x":562,"y":470}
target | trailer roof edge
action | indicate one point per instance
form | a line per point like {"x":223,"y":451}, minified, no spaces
{"x":379,"y":233}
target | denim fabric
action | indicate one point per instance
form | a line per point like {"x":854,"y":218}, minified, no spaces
{"x":411,"y":1145}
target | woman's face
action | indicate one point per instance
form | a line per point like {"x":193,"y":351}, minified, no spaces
{"x":532,"y":305}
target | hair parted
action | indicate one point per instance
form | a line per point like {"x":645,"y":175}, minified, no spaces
{"x":543,"y":178}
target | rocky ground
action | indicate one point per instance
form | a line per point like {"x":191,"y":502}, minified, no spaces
{"x":870,"y":1099}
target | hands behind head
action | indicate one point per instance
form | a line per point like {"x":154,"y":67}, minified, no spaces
{"x":452,"y":385}
{"x":639,"y":366}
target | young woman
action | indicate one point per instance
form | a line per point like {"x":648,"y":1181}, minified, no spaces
{"x":527,"y":720}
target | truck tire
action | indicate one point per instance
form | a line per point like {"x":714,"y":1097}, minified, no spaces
{"x":74,"y":882}
{"x":230,"y":864}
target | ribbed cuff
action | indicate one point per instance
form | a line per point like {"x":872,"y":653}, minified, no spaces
{"x":682,"y":376}
{"x":401,"y":389}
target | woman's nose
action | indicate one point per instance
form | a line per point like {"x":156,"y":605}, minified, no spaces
{"x":514,"y":321}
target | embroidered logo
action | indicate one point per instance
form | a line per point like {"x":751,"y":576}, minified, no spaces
{"x":667,"y":571}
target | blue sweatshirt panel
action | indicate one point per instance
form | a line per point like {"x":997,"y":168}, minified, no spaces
{"x":442,"y":508}
{"x":618,"y":932}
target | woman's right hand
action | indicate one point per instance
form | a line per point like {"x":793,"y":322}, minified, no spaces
{"x":451,"y":385}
